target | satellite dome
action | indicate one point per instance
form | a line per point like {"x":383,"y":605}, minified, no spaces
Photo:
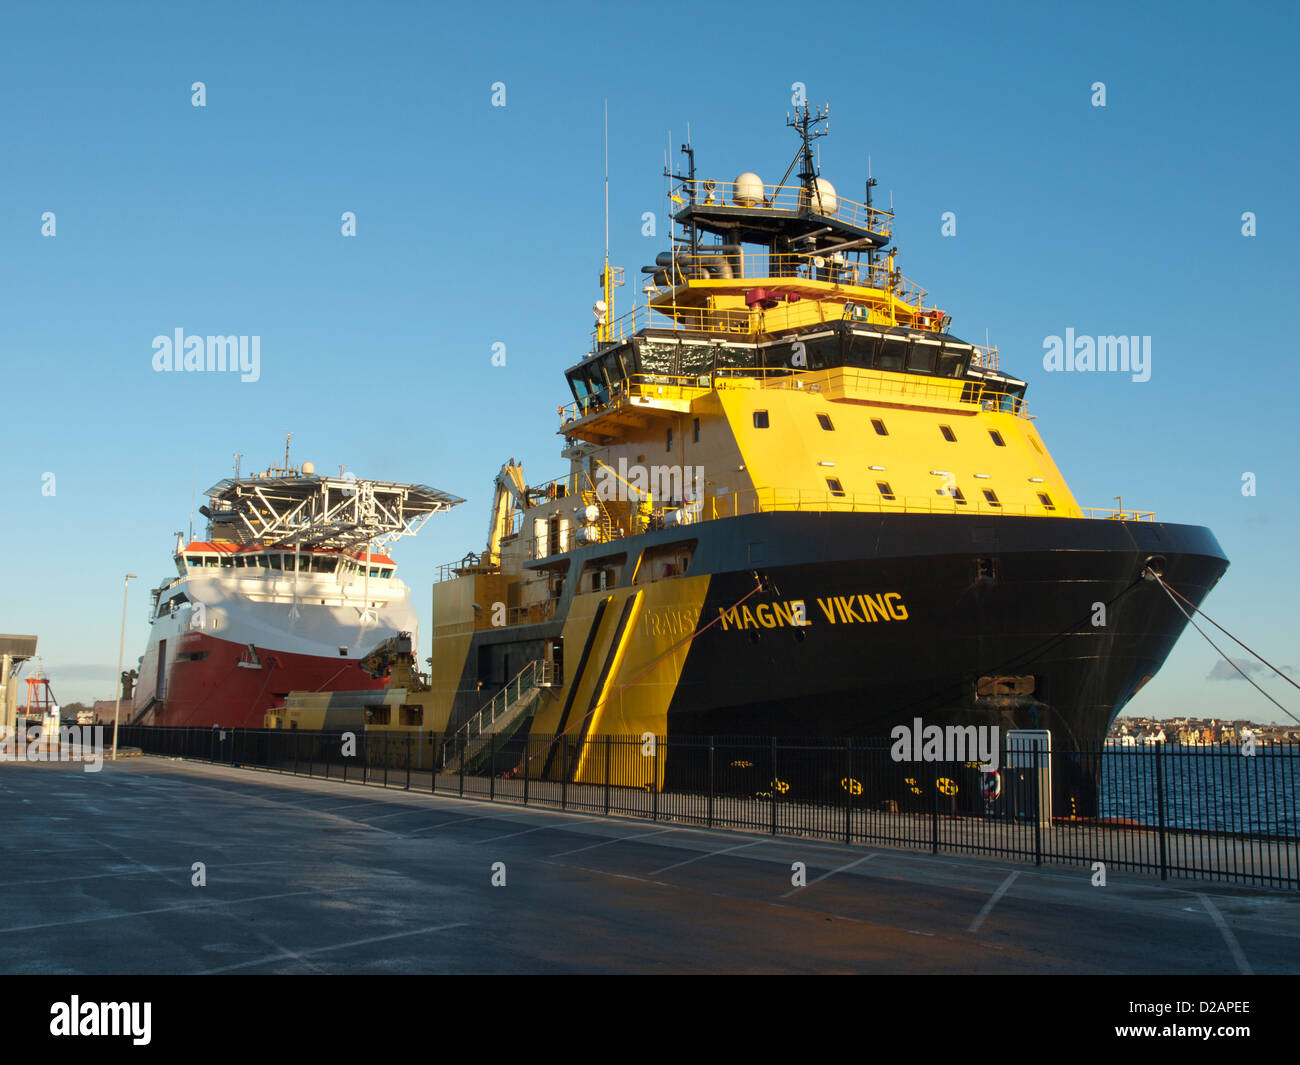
{"x":308,"y":469}
{"x":825,"y":201}
{"x":747,"y":190}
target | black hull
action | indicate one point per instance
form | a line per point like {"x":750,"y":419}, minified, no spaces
{"x":997,"y":627}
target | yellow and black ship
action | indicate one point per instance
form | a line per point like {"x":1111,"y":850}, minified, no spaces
{"x":798,"y":506}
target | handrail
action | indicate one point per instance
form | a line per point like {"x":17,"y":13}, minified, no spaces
{"x":475,"y":726}
{"x":710,"y":193}
{"x":963,"y":391}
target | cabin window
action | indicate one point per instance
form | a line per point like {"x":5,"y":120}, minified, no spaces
{"x":760,"y":419}
{"x":211,"y":562}
{"x":695,"y":431}
{"x":948,"y":434}
{"x":992,"y":497}
{"x":664,"y":561}
{"x":879,"y":427}
{"x":885,"y":491}
{"x":670,"y":438}
{"x":825,"y":421}
{"x":957,"y":495}
{"x":997,"y":438}
{"x":1046,"y":500}
{"x":833,"y":483}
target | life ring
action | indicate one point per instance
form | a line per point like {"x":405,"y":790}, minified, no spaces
{"x":992,"y":785}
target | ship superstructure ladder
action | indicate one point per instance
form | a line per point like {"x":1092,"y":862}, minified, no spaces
{"x":502,"y":716}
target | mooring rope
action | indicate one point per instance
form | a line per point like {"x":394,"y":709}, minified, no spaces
{"x":1191,"y":621}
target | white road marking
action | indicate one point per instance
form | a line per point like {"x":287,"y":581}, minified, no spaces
{"x":1238,"y":955}
{"x":160,"y":909}
{"x":711,"y":854}
{"x":850,"y":865}
{"x":301,"y":955}
{"x":616,"y":839}
{"x":993,"y":901}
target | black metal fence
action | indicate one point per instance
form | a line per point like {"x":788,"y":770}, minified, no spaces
{"x":1203,"y":812}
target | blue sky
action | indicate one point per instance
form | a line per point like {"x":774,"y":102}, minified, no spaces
{"x":479,"y":225}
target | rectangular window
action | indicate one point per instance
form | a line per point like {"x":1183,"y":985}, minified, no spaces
{"x":696,"y":431}
{"x":1046,"y":500}
{"x":834,"y":485}
{"x":997,"y":438}
{"x":992,"y":497}
{"x":760,"y":419}
{"x":825,"y":421}
{"x":957,"y":495}
{"x":670,"y":439}
{"x":879,"y":427}
{"x":885,"y":491}
{"x":948,"y":434}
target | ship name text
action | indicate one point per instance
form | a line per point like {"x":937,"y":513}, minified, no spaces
{"x":838,"y":610}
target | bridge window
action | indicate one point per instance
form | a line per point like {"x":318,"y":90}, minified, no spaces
{"x":833,"y":483}
{"x":760,"y":419}
{"x":1046,"y":500}
{"x":879,"y":427}
{"x":992,"y":497}
{"x":948,"y":434}
{"x":825,"y":421}
{"x":997,"y":438}
{"x":885,"y":491}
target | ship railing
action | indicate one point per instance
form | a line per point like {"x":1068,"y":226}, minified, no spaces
{"x":902,"y":386}
{"x":710,"y":193}
{"x":714,"y":263}
{"x":886,"y":383}
{"x":984,"y":358}
{"x":767,"y":500}
{"x":519,"y":686}
{"x":684,"y":319}
{"x":1111,"y":514}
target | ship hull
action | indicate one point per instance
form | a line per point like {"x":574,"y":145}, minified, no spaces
{"x":253,"y":642}
{"x":1008,"y":622}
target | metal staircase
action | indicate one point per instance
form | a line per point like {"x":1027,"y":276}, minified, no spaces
{"x":509,"y":708}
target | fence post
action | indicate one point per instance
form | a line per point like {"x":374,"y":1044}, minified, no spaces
{"x":654,"y":784}
{"x":710,"y":817}
{"x":1160,"y":811}
{"x":462,"y":769}
{"x":848,"y":792}
{"x":528,"y":750}
{"x":606,"y":774}
{"x":408,"y":762}
{"x":934,"y":807}
{"x":234,"y":748}
{"x":492,"y":767}
{"x":564,"y":774}
{"x":775,"y":778}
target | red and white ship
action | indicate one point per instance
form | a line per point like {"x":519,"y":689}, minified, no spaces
{"x":289,"y":589}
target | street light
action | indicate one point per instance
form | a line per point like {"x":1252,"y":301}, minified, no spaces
{"x":121,"y":646}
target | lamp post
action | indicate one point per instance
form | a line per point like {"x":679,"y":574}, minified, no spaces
{"x":121,"y":646}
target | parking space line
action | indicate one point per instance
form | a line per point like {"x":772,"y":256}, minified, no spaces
{"x":711,"y":854}
{"x":842,"y":868}
{"x":1238,"y":955}
{"x":303,"y":954}
{"x":993,"y":901}
{"x":616,"y":839}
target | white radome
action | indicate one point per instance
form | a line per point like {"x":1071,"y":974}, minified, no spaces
{"x":747,"y":190}
{"x":827,"y":202}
